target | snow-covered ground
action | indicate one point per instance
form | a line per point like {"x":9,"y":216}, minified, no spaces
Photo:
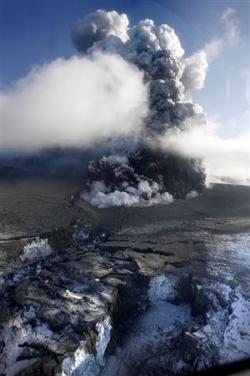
{"x":236,"y":344}
{"x":226,"y":327}
{"x":230,"y":261}
{"x":84,"y":363}
{"x":150,"y":329}
{"x":16,"y":333}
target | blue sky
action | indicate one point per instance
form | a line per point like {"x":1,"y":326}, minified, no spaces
{"x":37,"y":31}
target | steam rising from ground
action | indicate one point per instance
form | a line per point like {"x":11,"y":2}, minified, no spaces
{"x":73,"y":102}
{"x":121,"y":185}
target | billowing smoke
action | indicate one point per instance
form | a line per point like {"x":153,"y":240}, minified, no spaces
{"x":157,"y":52}
{"x":98,"y":26}
{"x":73,"y":103}
{"x":114,"y":182}
{"x":129,"y":87}
{"x":174,"y":123}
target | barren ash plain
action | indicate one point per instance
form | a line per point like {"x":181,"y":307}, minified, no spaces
{"x":161,"y":290}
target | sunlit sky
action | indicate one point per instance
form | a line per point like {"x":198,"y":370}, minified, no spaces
{"x":38,"y":31}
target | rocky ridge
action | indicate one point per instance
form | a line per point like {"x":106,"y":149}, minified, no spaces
{"x":125,"y":296}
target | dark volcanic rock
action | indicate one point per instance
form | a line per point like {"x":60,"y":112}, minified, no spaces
{"x":59,"y":305}
{"x":57,"y":319}
{"x":181,"y":354}
{"x":194,"y":294}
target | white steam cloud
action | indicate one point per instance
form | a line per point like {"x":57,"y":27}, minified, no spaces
{"x":195,"y":72}
{"x":232,"y":30}
{"x":226,"y":160}
{"x":197,"y":65}
{"x":73,"y":102}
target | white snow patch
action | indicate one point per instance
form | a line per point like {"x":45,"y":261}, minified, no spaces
{"x":104,"y":330}
{"x":84,"y":363}
{"x":36,"y":250}
{"x":161,"y":288}
{"x":236,"y":344}
{"x":72,"y":295}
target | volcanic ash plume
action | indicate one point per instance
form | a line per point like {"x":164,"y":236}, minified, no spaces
{"x":129,"y":91}
{"x":147,"y":174}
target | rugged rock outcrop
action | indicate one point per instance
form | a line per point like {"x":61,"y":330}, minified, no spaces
{"x":157,"y":292}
